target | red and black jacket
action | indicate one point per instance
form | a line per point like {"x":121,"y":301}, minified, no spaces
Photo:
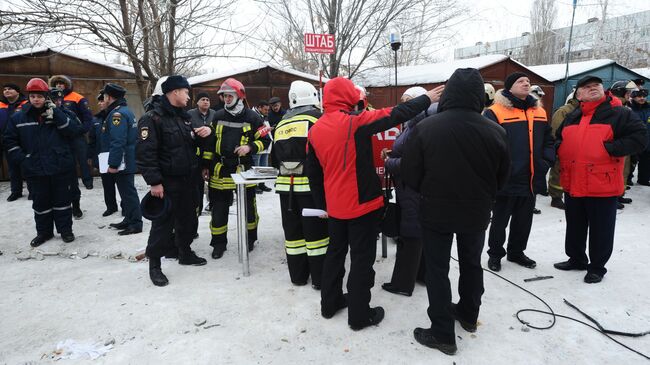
{"x":339,"y":164}
{"x":592,"y":144}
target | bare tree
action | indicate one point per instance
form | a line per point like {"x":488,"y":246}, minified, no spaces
{"x":159,"y":37}
{"x":360,"y":28}
{"x":543,"y":41}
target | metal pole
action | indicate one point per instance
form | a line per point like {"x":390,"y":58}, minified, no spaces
{"x":568,"y":53}
{"x":395,"y":88}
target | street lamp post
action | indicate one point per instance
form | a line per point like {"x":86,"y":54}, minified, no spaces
{"x":395,"y":43}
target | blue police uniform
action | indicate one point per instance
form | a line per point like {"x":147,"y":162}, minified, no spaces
{"x":41,"y":147}
{"x":117,"y":135}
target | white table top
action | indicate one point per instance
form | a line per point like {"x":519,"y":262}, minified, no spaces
{"x":241,"y":180}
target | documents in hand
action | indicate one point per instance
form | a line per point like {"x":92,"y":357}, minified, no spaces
{"x":309,"y":212}
{"x":103,"y":163}
{"x":260,"y":172}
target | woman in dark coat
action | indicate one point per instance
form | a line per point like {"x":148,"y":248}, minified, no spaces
{"x":409,"y":265}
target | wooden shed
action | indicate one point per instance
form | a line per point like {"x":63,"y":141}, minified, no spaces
{"x":608,"y":70}
{"x":380,"y":82}
{"x":262,"y":81}
{"x":88,"y":75}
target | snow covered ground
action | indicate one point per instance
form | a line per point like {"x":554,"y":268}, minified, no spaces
{"x":263,"y":319}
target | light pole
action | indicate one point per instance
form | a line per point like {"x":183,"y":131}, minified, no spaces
{"x":395,"y":43}
{"x":568,"y":52}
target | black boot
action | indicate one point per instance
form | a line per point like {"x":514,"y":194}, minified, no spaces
{"x":76,"y":209}
{"x":190,"y":258}
{"x":218,"y":251}
{"x":155,"y":273}
{"x":425,"y":336}
{"x":557,"y":203}
{"x":40,"y":239}
{"x":376,"y":316}
{"x":494,"y":264}
{"x":67,"y":237}
{"x":14,"y":196}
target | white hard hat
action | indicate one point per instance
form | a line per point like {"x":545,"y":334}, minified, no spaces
{"x":158,"y":89}
{"x":414,"y":92}
{"x":302,"y":93}
{"x":489,"y":90}
{"x":535,"y":89}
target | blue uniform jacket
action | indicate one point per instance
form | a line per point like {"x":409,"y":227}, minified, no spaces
{"x":117,"y":134}
{"x":39,"y":146}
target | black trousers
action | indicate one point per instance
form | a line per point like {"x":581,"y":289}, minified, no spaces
{"x":437,"y":249}
{"x":179,"y":219}
{"x":597,"y":216}
{"x":644,"y":167}
{"x":199,"y":184}
{"x":360,"y":234}
{"x":306,"y":239}
{"x":221,"y":201}
{"x":518,"y":210}
{"x":130,"y":200}
{"x":407,"y":263}
{"x":51,"y":203}
{"x":108,"y":185}
{"x":16,"y":177}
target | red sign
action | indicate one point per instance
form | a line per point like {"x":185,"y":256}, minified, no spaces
{"x":382,"y":140}
{"x":319,"y":43}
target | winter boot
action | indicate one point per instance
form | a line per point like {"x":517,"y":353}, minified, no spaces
{"x":76,"y":209}
{"x":40,"y":239}
{"x":155,"y":273}
{"x":557,"y":203}
{"x":67,"y":237}
{"x":190,"y":258}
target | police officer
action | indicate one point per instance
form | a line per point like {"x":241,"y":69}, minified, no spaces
{"x":166,"y":157}
{"x":38,"y":139}
{"x":116,"y":136}
{"x":306,"y":238}
{"x":108,"y":179}
{"x":238,"y":134}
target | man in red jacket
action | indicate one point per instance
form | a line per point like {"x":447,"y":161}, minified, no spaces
{"x":343,"y":182}
{"x":592,"y":144}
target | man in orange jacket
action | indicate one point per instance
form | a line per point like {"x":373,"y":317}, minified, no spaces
{"x":592,"y":144}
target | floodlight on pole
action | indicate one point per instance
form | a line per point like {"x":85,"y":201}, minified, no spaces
{"x":395,"y":39}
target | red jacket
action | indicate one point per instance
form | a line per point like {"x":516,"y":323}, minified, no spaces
{"x":593,"y":142}
{"x":340,"y":167}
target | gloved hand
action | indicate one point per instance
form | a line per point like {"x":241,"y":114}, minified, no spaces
{"x":49,"y":110}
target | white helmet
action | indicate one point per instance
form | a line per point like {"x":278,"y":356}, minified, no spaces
{"x":158,"y":89}
{"x":489,"y":91}
{"x":302,"y":93}
{"x":414,"y":92}
{"x":537,"y":91}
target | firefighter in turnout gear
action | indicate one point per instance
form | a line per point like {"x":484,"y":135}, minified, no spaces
{"x":239,"y":133}
{"x":306,"y":238}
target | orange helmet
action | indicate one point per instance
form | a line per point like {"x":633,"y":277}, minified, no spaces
{"x":233,"y":86}
{"x":37,"y":85}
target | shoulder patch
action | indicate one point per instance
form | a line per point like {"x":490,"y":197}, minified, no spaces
{"x":117,"y":118}
{"x":144,"y":133}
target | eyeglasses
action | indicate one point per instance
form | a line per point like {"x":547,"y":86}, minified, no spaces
{"x":640,"y":93}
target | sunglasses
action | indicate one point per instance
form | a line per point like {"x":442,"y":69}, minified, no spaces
{"x":640,"y":93}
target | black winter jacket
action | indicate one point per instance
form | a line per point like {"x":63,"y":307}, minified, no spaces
{"x":457,"y":159}
{"x":167,"y":144}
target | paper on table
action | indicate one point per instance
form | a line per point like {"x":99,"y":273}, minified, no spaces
{"x":103,"y":163}
{"x":309,"y":212}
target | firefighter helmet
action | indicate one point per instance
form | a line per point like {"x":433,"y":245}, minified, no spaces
{"x":231,"y":85}
{"x":302,"y":93}
{"x":37,"y":85}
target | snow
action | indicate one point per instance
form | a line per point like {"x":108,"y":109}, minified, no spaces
{"x":227,"y":72}
{"x":63,"y":50}
{"x":557,"y":72}
{"x":422,"y":74}
{"x":264,"y":319}
{"x":645,"y":72}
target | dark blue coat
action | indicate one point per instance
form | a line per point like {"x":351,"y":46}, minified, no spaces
{"x":39,"y":146}
{"x":117,"y":135}
{"x":643,"y":111}
{"x":407,"y":198}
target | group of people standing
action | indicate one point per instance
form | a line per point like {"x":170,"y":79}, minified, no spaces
{"x":468,"y":158}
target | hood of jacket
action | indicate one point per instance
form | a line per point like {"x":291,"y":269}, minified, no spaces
{"x":464,"y":90}
{"x":339,"y":94}
{"x":61,"y":79}
{"x":500,"y":98}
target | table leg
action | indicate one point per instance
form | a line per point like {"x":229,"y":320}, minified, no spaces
{"x":241,"y":216}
